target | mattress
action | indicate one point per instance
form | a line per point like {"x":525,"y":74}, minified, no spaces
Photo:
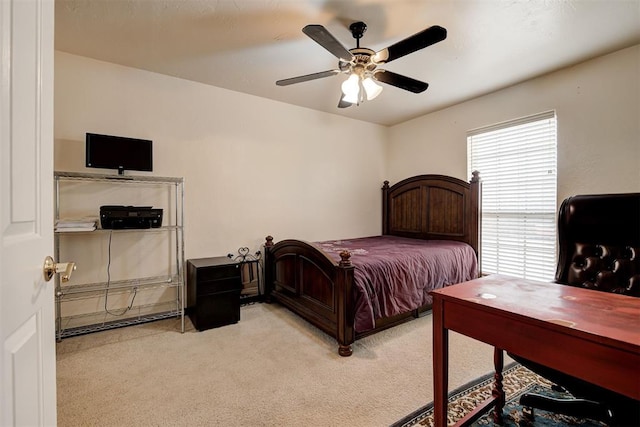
{"x":394,"y":275}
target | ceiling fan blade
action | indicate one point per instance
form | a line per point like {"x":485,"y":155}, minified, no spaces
{"x":343,"y":104}
{"x":325,"y":39}
{"x":403,"y":82}
{"x":409,"y":45}
{"x":307,"y":77}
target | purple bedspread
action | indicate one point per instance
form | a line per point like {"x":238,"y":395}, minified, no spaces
{"x":394,"y":275}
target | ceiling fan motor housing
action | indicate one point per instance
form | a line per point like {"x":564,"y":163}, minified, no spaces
{"x":361,"y":60}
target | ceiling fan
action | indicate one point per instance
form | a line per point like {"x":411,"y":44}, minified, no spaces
{"x":361,"y":63}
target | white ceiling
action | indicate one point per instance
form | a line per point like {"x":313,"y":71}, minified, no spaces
{"x":246,"y":45}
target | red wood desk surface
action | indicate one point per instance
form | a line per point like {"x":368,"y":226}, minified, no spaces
{"x":589,"y":334}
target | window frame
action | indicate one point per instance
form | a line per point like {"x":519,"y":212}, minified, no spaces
{"x":519,"y":195}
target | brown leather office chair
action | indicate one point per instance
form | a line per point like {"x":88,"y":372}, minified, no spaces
{"x":599,"y":248}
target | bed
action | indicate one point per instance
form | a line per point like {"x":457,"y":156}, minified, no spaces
{"x":330,"y":285}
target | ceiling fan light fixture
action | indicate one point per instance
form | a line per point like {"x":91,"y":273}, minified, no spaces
{"x":371,"y":88}
{"x":351,"y":99}
{"x":351,"y":89}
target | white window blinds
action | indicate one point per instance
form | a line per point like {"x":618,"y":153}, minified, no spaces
{"x":517,"y":164}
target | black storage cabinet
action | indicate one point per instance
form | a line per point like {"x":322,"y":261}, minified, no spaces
{"x":213,"y":292}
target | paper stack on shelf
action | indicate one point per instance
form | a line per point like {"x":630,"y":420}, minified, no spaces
{"x":72,"y":225}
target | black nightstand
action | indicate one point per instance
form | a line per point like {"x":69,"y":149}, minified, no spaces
{"x":213,"y":292}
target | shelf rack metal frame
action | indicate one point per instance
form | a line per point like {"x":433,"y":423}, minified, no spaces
{"x":178,"y":280}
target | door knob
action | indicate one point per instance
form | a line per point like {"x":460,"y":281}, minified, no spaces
{"x":51,"y":267}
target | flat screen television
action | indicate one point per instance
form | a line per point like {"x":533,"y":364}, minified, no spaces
{"x":118,"y":152}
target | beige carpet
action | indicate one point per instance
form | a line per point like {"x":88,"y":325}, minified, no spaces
{"x":270,"y":369}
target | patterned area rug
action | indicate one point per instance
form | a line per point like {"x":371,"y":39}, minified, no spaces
{"x":517,"y":381}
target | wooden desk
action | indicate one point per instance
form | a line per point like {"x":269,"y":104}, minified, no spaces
{"x":588,"y":334}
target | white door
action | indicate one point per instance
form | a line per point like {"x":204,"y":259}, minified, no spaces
{"x":27,"y":370}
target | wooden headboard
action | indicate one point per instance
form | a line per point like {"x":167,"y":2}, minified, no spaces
{"x":433,"y":207}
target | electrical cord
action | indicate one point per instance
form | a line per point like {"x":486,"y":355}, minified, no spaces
{"x":106,"y":293}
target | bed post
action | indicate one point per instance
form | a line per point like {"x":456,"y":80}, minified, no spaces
{"x":385,"y":208}
{"x":476,"y":217}
{"x":268,"y":268}
{"x":345,"y":305}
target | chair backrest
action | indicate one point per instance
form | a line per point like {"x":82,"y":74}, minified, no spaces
{"x":599,"y":242}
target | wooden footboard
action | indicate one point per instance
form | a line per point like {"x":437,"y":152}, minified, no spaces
{"x":305,"y":280}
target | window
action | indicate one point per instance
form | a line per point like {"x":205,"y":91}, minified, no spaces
{"x":517,"y":164}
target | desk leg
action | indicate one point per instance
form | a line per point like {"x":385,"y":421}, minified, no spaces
{"x":498,"y":390}
{"x":440,"y":364}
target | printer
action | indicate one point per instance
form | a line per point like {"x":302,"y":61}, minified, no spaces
{"x":121,"y":217}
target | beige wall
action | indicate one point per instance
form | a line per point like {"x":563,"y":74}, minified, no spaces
{"x":252,"y":166}
{"x":255,"y":167}
{"x":598,"y":109}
